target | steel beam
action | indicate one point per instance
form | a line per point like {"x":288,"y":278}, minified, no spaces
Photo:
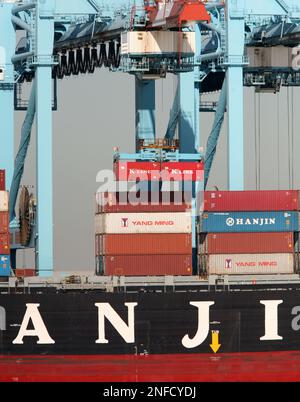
{"x":7,"y":49}
{"x":145,"y":109}
{"x":235,"y":93}
{"x":189,"y":103}
{"x":44,"y":43}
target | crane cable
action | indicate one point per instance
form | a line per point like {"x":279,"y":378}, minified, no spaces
{"x":290,"y":128}
{"x":278,"y":141}
{"x":82,"y":61}
{"x":257,"y":138}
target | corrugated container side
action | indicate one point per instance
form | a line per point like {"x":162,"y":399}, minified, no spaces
{"x":247,"y":264}
{"x":249,"y":222}
{"x":4,"y":222}
{"x":225,"y":201}
{"x":143,"y":223}
{"x":143,"y":244}
{"x":15,"y":238}
{"x":25,"y":273}
{"x":144,"y":202}
{"x":297,"y":252}
{"x":4,"y":244}
{"x":2,"y":180}
{"x":4,"y":265}
{"x":3,"y":201}
{"x":147,"y":265}
{"x":151,"y":171}
{"x":246,"y":243}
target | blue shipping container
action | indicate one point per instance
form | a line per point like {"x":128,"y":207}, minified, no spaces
{"x":4,"y":265}
{"x":249,"y":222}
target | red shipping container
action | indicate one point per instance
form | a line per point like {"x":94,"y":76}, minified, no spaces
{"x":246,"y":201}
{"x":130,"y":203}
{"x":148,"y":265}
{"x":2,"y":180}
{"x":153,"y":171}
{"x":25,"y":273}
{"x":4,"y":222}
{"x":15,"y":238}
{"x":246,"y":243}
{"x":4,"y":244}
{"x":143,"y":244}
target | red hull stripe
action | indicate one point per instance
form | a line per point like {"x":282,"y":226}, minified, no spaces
{"x":256,"y":367}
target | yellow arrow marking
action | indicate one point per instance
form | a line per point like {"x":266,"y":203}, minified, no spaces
{"x":215,"y":341}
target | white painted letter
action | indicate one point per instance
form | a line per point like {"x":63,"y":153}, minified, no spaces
{"x":271,"y":320}
{"x":2,"y":319}
{"x":203,"y":325}
{"x":126,"y":331}
{"x":39,"y":330}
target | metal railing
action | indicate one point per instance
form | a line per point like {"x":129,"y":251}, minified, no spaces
{"x":234,"y":60}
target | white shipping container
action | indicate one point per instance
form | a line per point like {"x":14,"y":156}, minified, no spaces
{"x":249,"y":264}
{"x":158,"y":43}
{"x":119,"y":223}
{"x":4,"y":201}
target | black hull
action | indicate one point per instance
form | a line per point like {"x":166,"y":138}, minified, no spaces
{"x":161,"y":320}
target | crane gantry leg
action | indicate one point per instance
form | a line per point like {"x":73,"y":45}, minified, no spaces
{"x":44,"y":42}
{"x":145,"y":109}
{"x":235,"y":93}
{"x":189,"y":106}
{"x":7,"y":50}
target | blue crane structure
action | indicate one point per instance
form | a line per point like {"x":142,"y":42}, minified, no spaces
{"x":65,"y":38}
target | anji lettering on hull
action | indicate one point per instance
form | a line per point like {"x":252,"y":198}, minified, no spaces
{"x":127,"y":330}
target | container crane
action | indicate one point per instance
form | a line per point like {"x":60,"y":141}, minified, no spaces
{"x":64,"y":38}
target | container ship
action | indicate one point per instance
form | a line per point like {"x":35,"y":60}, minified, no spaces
{"x":188,"y":284}
{"x":159,"y":307}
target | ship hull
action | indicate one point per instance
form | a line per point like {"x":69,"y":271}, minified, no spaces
{"x":228,"y":367}
{"x":255,"y":335}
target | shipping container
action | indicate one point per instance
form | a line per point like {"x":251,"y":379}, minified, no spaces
{"x":4,"y":244}
{"x":145,"y":265}
{"x":247,"y":264}
{"x":4,"y":265}
{"x":249,"y":222}
{"x":4,"y":222}
{"x":15,"y":238}
{"x":3,"y":201}
{"x":245,"y":243}
{"x":2,"y":180}
{"x":241,"y":201}
{"x":25,"y":272}
{"x":132,"y":202}
{"x":153,"y":171}
{"x":158,"y":186}
{"x":143,"y":244}
{"x":143,"y":223}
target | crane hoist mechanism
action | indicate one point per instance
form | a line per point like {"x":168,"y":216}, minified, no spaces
{"x":172,"y":15}
{"x":164,"y":42}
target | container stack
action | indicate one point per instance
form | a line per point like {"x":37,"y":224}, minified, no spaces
{"x":148,"y":231}
{"x":143,"y":239}
{"x":4,"y":229}
{"x":249,"y":232}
